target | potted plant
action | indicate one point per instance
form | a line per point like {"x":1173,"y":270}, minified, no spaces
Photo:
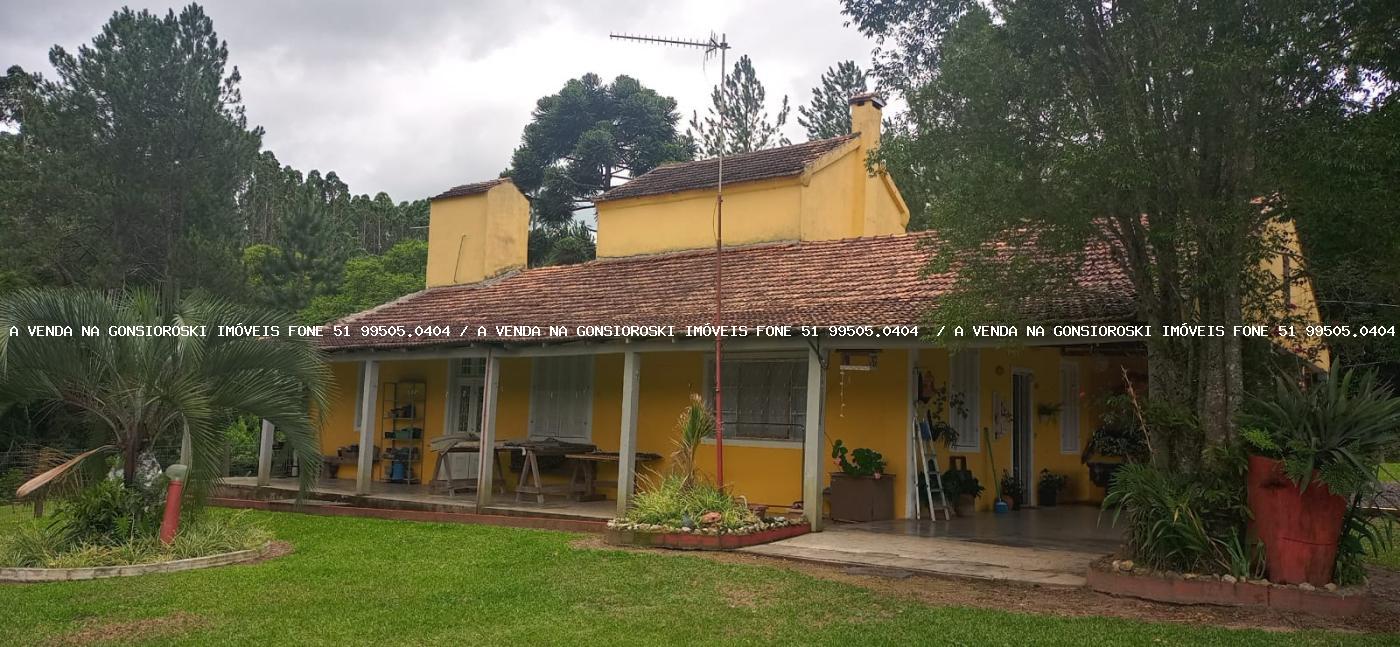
{"x":1048,"y":410}
{"x":862,"y":490}
{"x":1315,"y":452}
{"x":962,"y":489}
{"x":1048,"y":488}
{"x":1117,"y":440}
{"x":1012,"y":490}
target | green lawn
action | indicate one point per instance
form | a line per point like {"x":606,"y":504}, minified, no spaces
{"x":1390,"y":472}
{"x":364,"y":581}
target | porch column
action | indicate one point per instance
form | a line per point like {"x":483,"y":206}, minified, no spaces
{"x":265,"y":454}
{"x":486,"y":469}
{"x":812,"y":440}
{"x":627,"y":447}
{"x":364,"y":469}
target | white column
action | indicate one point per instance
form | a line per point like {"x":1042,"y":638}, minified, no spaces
{"x":911,"y":493}
{"x":812,"y":445}
{"x":369,"y":417}
{"x":486,"y":469}
{"x":627,"y":446}
{"x":265,"y":454}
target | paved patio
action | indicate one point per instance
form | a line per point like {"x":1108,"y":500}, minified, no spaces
{"x":1052,"y":546}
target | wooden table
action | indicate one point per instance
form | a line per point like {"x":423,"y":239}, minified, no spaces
{"x":585,"y":477}
{"x":530,"y":482}
{"x":444,"y":466}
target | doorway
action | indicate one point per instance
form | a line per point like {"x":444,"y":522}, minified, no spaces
{"x":1022,"y":433}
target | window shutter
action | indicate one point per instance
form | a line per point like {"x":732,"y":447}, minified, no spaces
{"x":967,"y":381}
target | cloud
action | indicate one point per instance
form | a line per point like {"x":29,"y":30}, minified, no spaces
{"x":410,"y":98}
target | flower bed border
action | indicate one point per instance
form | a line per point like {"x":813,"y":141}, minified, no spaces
{"x":1177,"y":590}
{"x":37,"y":575}
{"x":694,"y":541}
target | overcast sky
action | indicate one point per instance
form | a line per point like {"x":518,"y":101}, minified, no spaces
{"x":413,"y":97}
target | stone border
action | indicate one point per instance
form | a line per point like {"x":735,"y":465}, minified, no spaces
{"x":1237,"y":594}
{"x":36,"y":575}
{"x":693,"y":541}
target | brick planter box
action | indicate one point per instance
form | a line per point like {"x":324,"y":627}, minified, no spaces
{"x":1236,"y":594}
{"x":692,"y":541}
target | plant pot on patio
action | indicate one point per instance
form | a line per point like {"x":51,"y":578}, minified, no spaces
{"x":1300,"y":528}
{"x":964,"y":505}
{"x":862,"y":498}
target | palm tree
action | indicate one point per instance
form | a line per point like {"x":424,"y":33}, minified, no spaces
{"x":139,"y":386}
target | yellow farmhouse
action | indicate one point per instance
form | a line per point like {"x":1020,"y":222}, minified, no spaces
{"x":814,"y":240}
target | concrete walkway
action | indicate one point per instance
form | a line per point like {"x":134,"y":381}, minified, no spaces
{"x":961,"y":547}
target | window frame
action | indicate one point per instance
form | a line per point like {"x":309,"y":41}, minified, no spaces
{"x":797,"y":406}
{"x":963,"y":367}
{"x":538,"y":415}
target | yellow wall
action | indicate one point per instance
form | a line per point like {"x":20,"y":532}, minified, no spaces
{"x":753,"y":212}
{"x":863,"y":409}
{"x":1304,"y":300}
{"x":835,"y":198}
{"x":476,"y":237}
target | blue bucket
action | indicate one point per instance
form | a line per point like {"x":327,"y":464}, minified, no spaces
{"x":1000,"y":507}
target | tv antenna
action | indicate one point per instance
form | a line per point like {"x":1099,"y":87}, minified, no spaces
{"x":710,"y":46}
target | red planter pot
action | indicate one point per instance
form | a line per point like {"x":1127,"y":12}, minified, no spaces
{"x":1300,"y":529}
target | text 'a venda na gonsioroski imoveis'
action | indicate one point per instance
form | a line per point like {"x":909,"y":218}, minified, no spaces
{"x":516,"y":331}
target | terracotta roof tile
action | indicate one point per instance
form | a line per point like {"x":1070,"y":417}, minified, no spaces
{"x":470,"y":189}
{"x":873,"y":281}
{"x":769,"y":163}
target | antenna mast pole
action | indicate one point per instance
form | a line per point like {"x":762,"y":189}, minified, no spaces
{"x":710,"y":46}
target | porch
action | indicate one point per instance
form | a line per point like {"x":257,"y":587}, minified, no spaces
{"x":1050,"y":546}
{"x":398,"y":496}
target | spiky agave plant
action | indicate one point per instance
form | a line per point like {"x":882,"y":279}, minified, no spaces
{"x":140,"y":388}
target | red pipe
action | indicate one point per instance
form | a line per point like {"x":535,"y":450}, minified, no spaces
{"x":173,"y":495}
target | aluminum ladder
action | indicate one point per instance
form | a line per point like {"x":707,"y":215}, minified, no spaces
{"x":933,"y":480}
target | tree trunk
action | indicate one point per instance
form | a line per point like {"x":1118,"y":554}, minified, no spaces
{"x":129,"y":461}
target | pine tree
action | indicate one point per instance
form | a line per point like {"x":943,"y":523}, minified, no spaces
{"x":829,"y":114}
{"x":747,"y":126}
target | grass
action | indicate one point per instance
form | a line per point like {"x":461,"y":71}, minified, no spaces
{"x":366,"y":581}
{"x":1390,"y":472}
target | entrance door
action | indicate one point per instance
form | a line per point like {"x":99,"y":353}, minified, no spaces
{"x":1021,"y":433}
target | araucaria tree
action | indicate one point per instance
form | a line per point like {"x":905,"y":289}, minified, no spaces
{"x":829,"y":113}
{"x":580,"y":142}
{"x":1156,"y":127}
{"x":744,"y":103}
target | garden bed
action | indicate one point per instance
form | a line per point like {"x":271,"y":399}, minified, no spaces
{"x":1115,"y":577}
{"x":653,"y":536}
{"x":35,"y":575}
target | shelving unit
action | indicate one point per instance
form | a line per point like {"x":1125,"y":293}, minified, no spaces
{"x":404,"y":412}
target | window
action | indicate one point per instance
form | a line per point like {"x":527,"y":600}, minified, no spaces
{"x":561,"y":398}
{"x":966,"y":375}
{"x":764,"y":398}
{"x":1069,"y":408}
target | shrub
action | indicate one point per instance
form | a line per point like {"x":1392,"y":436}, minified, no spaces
{"x":1181,"y":522}
{"x":862,"y":461}
{"x":676,"y":503}
{"x":109,"y":513}
{"x":40,"y":545}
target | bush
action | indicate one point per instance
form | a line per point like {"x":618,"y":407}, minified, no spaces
{"x":862,"y":461}
{"x":39,"y":545}
{"x":110,"y":514}
{"x":1183,"y":522}
{"x":675,"y":503}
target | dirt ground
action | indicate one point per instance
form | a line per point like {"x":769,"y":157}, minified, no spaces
{"x":1062,"y":601}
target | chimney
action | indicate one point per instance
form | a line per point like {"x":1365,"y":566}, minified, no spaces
{"x":477,"y":231}
{"x":865,"y":119}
